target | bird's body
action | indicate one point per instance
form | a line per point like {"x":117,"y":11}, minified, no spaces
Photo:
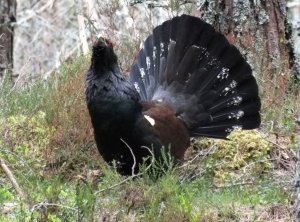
{"x":187,"y":81}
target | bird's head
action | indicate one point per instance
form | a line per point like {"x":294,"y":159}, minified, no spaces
{"x":103,"y":53}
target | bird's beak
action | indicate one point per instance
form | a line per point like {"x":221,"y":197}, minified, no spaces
{"x":102,"y":41}
{"x":98,"y":39}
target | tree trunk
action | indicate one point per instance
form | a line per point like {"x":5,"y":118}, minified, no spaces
{"x":294,"y":20}
{"x":297,"y":185}
{"x":256,"y":27}
{"x":7,"y":18}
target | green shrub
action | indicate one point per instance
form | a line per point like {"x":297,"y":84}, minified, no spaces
{"x":25,"y":140}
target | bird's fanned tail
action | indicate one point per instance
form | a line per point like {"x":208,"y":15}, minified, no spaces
{"x":191,"y":67}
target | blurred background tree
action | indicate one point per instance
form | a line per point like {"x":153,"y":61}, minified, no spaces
{"x":7,"y":20}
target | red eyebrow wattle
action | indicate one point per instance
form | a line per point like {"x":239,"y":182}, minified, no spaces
{"x":110,"y":42}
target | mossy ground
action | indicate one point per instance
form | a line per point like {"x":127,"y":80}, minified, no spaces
{"x":47,"y":142}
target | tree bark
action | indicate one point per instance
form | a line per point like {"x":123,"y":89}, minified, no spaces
{"x":7,"y":18}
{"x":297,"y":184}
{"x":256,"y":27}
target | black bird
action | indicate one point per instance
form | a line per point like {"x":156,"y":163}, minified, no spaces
{"x":187,"y":81}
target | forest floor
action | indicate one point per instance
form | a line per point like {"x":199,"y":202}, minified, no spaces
{"x":47,"y":146}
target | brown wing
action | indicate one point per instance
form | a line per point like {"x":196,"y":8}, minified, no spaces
{"x":169,"y":128}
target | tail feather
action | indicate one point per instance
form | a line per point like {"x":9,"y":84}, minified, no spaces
{"x":249,"y":123}
{"x":171,"y":60}
{"x":138,"y":81}
{"x":216,"y":49}
{"x":248,"y":109}
{"x":186,"y":64}
{"x":230,"y":57}
{"x":230,"y":101}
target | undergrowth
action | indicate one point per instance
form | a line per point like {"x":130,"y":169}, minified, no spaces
{"x":280,"y":106}
{"x":47,"y":142}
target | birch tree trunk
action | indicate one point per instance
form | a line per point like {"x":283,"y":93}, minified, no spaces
{"x":7,"y":18}
{"x":294,"y":20}
{"x":297,"y":184}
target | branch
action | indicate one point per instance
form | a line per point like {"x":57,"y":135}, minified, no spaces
{"x":13,"y":180}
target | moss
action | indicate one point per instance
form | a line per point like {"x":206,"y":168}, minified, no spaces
{"x":244,"y":156}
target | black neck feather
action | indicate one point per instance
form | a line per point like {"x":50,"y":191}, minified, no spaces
{"x":103,"y":59}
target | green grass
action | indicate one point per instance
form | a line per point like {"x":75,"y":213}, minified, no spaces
{"x":47,"y":142}
{"x":148,"y":201}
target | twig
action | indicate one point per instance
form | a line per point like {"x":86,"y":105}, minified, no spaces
{"x":276,"y":144}
{"x":45,"y":204}
{"x":131,"y":177}
{"x":200,"y":6}
{"x":190,"y":161}
{"x":198,"y":154}
{"x":232,"y":185}
{"x":13,"y":180}
{"x":281,"y":147}
{"x":133,"y":156}
{"x":117,"y":184}
{"x":153,"y":157}
{"x":203,"y":171}
{"x":209,"y":151}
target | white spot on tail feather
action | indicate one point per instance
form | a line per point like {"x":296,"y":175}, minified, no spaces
{"x":148,"y":62}
{"x":235,"y":127}
{"x":224,"y":73}
{"x":236,"y":115}
{"x":154,"y":53}
{"x":162,"y":49}
{"x":235,"y":101}
{"x":136,"y":85}
{"x":142,"y":71}
{"x":150,"y":120}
